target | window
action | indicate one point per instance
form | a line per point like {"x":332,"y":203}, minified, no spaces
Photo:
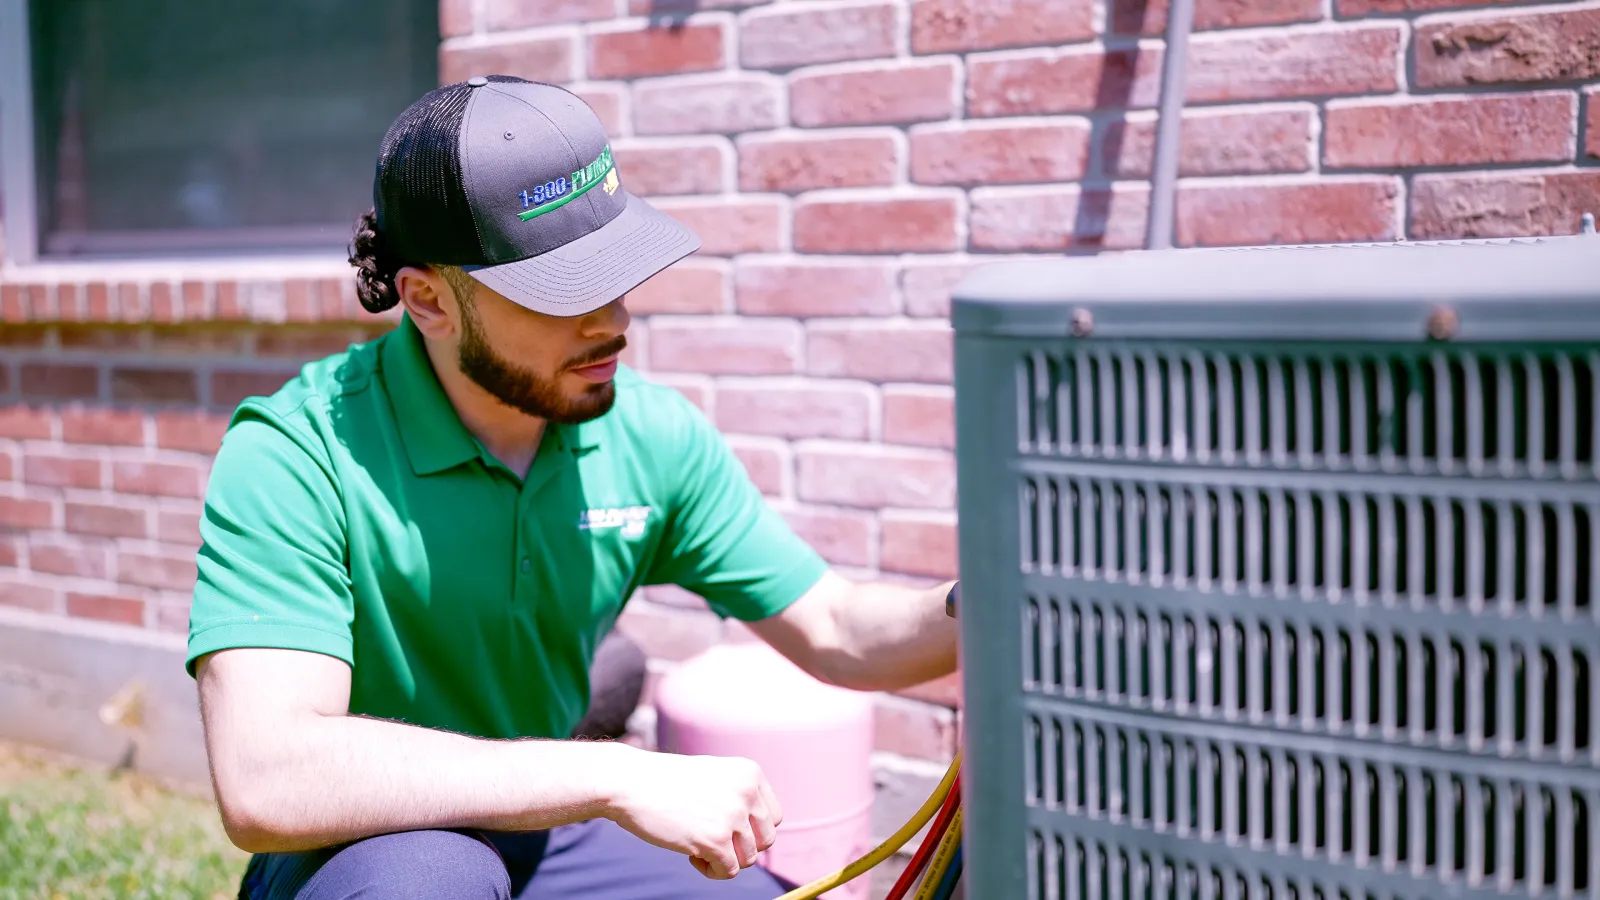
{"x":170,"y":126}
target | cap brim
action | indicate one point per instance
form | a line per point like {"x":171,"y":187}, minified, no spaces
{"x":581,"y":276}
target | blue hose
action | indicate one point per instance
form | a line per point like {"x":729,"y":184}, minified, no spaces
{"x":952,"y":874}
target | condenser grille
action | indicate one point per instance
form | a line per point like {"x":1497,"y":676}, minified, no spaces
{"x":1308,"y":622}
{"x":1518,"y":413}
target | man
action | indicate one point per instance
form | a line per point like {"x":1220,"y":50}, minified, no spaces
{"x":412,"y":549}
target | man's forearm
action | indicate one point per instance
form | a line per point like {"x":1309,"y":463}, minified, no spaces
{"x":892,"y":637}
{"x":348,"y":777}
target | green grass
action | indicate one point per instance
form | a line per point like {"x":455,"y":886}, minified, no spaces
{"x":77,"y":832}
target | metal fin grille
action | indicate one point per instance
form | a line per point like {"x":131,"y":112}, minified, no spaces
{"x":1310,"y":623}
{"x":1511,"y":414}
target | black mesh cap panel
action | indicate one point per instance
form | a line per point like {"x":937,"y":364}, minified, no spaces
{"x":422,"y":207}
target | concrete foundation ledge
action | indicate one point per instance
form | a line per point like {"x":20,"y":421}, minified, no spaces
{"x":106,"y":693}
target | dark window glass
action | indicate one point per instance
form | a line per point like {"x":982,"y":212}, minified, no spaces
{"x":175,"y":125}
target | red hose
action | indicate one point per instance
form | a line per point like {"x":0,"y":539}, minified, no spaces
{"x":941,"y":822}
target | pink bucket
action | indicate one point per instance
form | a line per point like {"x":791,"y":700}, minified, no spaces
{"x":813,"y":741}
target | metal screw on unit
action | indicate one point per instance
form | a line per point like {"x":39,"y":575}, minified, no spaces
{"x":1443,"y":323}
{"x":1082,"y":323}
{"x":508,"y":135}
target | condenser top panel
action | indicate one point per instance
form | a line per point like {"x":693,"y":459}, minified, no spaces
{"x":1499,"y":290}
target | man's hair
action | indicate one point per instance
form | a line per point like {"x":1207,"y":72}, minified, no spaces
{"x":376,"y":266}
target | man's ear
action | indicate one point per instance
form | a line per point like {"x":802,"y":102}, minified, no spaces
{"x":428,"y":299}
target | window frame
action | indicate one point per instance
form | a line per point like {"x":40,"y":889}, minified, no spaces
{"x":18,"y":177}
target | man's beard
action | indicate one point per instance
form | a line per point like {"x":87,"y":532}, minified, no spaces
{"x":520,"y":389}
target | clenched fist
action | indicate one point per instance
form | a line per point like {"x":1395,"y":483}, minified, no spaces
{"x":719,"y":811}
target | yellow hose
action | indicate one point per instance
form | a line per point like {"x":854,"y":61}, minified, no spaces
{"x":884,"y":850}
{"x":943,"y":855}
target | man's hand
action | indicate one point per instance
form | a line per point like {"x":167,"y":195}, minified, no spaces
{"x":720,"y":811}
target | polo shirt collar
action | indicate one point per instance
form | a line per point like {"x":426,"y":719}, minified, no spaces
{"x":434,"y":438}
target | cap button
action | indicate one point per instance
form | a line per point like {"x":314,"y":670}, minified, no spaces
{"x":477,"y":81}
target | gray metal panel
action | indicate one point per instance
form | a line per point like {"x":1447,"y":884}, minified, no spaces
{"x":1501,"y":290}
{"x":1292,"y":618}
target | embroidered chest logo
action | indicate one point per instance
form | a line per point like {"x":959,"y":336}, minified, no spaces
{"x":631,"y":519}
{"x":552,"y":195}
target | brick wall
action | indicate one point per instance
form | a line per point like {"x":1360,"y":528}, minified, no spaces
{"x":845,"y":161}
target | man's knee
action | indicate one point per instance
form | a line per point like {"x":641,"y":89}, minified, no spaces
{"x":413,"y":865}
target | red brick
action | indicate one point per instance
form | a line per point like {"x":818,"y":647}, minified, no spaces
{"x":1511,"y":204}
{"x":101,"y":337}
{"x":1534,"y":127}
{"x":785,"y":37}
{"x":945,"y":691}
{"x":721,"y":347}
{"x":926,"y":285}
{"x":194,"y":431}
{"x":827,"y":287}
{"x":669,"y":633}
{"x":12,"y":307}
{"x":104,"y":520}
{"x":123,"y":609}
{"x":23,"y":335}
{"x":102,"y":426}
{"x":178,"y":527}
{"x":5,"y":373}
{"x":667,"y":7}
{"x":690,"y":286}
{"x":656,"y":50}
{"x":959,"y":26}
{"x":163,"y":479}
{"x":766,"y":461}
{"x":795,"y":409}
{"x":154,"y":386}
{"x":608,"y":102}
{"x":874,"y":225}
{"x":9,"y":469}
{"x":21,"y":422}
{"x":923,"y":416}
{"x":41,"y":302}
{"x":69,"y":302}
{"x":456,"y":17}
{"x":675,"y":166}
{"x":171,"y":571}
{"x":97,"y":301}
{"x":1058,"y":218}
{"x":57,"y":470}
{"x":304,"y":344}
{"x":508,"y":15}
{"x":873,"y":476}
{"x":912,"y":729}
{"x":880,"y":351}
{"x":230,"y":388}
{"x":724,"y":104}
{"x":17,"y":593}
{"x":230,"y":304}
{"x":888,"y":93}
{"x":55,"y":556}
{"x":1282,"y":65}
{"x":1149,"y":17}
{"x":25,"y":513}
{"x":795,"y":163}
{"x":918,"y":544}
{"x":163,"y":302}
{"x":1523,"y":47}
{"x":1591,"y":123}
{"x":637,"y":347}
{"x":1076,"y":79}
{"x":976,"y":153}
{"x":1328,"y":211}
{"x":54,"y":381}
{"x":731,"y":225}
{"x":1252,"y":141}
{"x":551,"y":59}
{"x":196,"y":302}
{"x":10,"y":552}
{"x":843,"y":537}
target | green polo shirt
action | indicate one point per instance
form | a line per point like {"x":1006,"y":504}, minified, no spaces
{"x":352,"y":514}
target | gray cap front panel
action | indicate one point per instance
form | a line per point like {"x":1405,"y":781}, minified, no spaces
{"x":553,"y":135}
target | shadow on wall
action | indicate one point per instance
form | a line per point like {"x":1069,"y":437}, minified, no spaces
{"x":1118,"y":75}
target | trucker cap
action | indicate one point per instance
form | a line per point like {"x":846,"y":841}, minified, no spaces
{"x":514,"y":182}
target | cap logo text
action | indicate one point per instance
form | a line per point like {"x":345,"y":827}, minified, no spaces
{"x":552,"y":195}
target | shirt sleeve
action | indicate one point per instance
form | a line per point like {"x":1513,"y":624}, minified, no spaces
{"x":723,"y":541}
{"x":272,"y":560}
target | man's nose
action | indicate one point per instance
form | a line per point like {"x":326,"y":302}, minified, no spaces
{"x":608,"y":321}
